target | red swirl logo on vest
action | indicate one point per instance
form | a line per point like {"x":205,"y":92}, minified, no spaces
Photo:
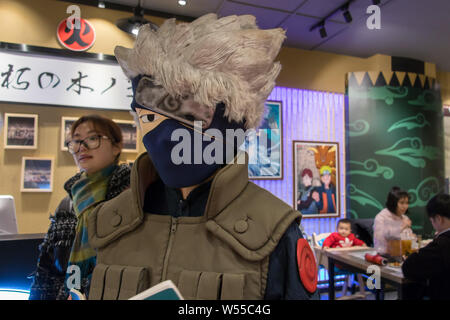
{"x":307,"y":266}
{"x":80,"y":37}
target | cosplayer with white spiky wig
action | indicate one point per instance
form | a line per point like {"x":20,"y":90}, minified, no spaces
{"x":201,"y":224}
{"x":225,"y":60}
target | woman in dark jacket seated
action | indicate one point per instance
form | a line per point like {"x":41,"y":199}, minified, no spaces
{"x":96,"y":144}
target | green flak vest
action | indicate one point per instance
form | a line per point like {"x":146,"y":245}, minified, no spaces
{"x":223,"y":254}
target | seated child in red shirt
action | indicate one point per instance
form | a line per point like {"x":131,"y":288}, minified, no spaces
{"x":343,"y":237}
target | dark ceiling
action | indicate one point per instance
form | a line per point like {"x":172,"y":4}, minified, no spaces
{"x":418,"y":29}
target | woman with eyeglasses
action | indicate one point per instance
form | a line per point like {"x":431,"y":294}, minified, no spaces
{"x":66,"y":259}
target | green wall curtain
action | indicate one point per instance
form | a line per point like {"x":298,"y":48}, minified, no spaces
{"x":394,"y":137}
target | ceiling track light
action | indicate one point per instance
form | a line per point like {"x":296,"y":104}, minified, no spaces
{"x":323,"y":31}
{"x":182,"y":2}
{"x":131,"y":25}
{"x":347,"y":15}
{"x":321,"y":24}
{"x":101,"y":4}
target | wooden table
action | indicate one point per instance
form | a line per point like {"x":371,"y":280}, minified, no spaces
{"x":352,"y":259}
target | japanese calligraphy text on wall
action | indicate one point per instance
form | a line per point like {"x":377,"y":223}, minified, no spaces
{"x":37,"y":79}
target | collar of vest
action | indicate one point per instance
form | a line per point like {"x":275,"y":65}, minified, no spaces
{"x":248,"y":218}
{"x":144,"y":173}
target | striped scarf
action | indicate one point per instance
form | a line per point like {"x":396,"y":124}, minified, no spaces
{"x":87,"y":192}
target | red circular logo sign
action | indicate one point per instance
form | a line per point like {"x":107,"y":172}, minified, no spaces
{"x":74,"y":38}
{"x":307,"y":267}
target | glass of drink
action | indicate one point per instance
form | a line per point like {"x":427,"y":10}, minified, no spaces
{"x":406,"y":246}
{"x":394,"y":248}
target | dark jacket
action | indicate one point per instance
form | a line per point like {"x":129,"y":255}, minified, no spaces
{"x":50,"y":273}
{"x":431,"y":267}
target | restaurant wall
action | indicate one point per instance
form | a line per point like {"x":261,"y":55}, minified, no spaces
{"x":447,"y":146}
{"x":443,"y":79}
{"x":309,"y":116}
{"x":406,"y":111}
{"x":33,"y":208}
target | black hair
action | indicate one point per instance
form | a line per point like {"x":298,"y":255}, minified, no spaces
{"x":344,"y":221}
{"x":394,"y":197}
{"x":439,"y":205}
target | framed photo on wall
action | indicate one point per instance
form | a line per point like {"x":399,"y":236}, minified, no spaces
{"x":265,"y":146}
{"x":37,"y":175}
{"x":129,"y":134}
{"x":66,"y":124}
{"x":316,"y":178}
{"x":21,"y":131}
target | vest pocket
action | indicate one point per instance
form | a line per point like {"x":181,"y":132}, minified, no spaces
{"x":113,"y":279}
{"x":118,"y":282}
{"x":134,"y":281}
{"x":211,"y":285}
{"x":188,"y":283}
{"x":97,"y":282}
{"x":232,"y":287}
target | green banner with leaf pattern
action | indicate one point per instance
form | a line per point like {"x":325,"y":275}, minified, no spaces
{"x":395,"y":137}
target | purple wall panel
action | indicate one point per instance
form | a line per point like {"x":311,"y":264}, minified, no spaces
{"x":309,"y":116}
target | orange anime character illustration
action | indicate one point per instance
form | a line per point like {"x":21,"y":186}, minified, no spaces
{"x":326,"y":194}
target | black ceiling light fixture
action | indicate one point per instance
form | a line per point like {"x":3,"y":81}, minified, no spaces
{"x":321,"y":24}
{"x":322,"y":30}
{"x":131,"y":25}
{"x":376,"y":2}
{"x":347,"y":15}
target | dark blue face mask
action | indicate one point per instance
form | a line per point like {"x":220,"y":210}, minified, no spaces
{"x":159,"y":147}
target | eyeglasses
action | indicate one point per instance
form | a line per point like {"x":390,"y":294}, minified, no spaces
{"x":91,"y":143}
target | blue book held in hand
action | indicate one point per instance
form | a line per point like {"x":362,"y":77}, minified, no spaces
{"x":165,"y":290}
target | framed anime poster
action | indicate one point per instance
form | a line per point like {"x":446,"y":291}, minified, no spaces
{"x":265,"y":146}
{"x":21,"y":131}
{"x":316,"y":178}
{"x":37,"y":175}
{"x":66,"y":124}
{"x":129,"y":135}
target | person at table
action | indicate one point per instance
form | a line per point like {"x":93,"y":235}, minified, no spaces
{"x":95,"y":144}
{"x":392,"y":220}
{"x":325,"y":195}
{"x":431,"y":264}
{"x":305,"y":202}
{"x":343,"y":238}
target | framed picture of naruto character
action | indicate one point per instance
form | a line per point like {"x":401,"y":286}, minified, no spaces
{"x":316,"y":178}
{"x":265,"y":146}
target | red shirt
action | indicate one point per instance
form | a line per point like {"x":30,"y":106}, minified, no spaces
{"x":335,"y":240}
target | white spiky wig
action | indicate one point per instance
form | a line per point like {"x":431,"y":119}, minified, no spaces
{"x":216,"y":60}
